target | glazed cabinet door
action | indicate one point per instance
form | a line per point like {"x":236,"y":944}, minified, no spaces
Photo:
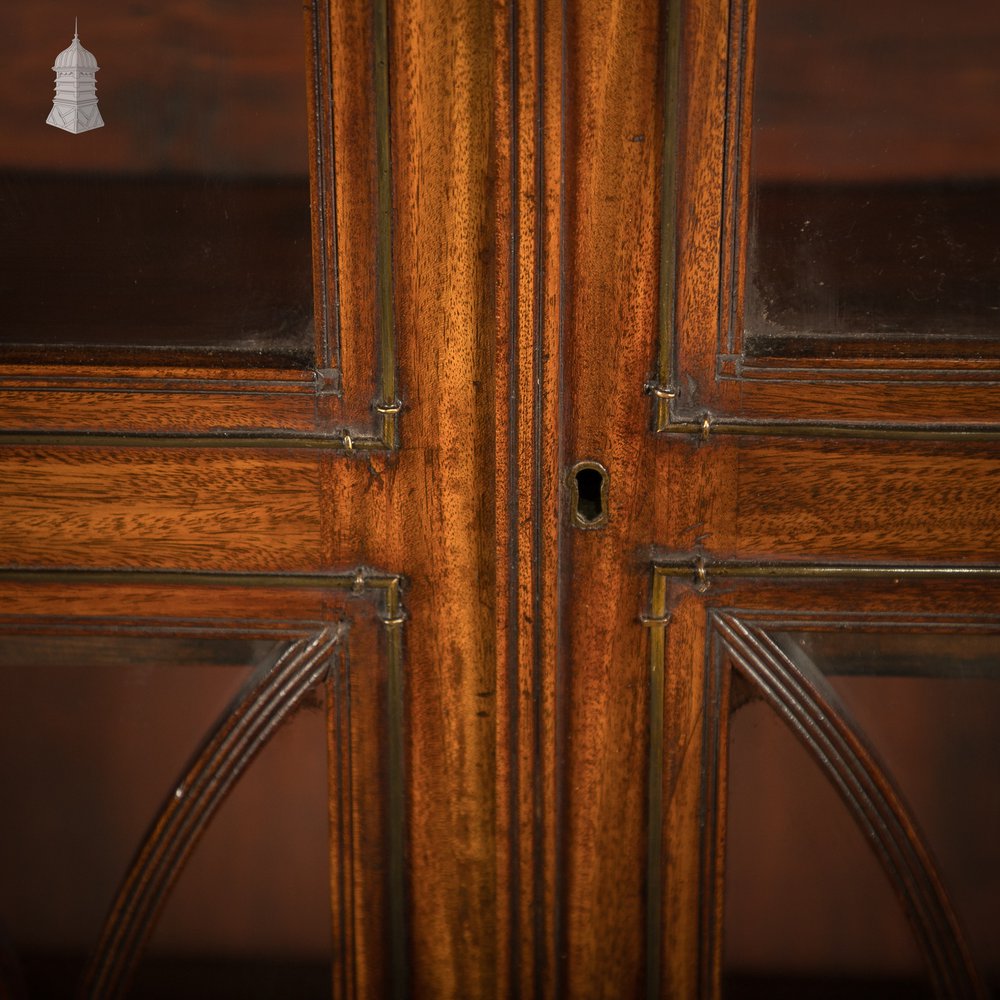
{"x":765,"y":325}
{"x":246,"y":445}
{"x":499,"y":499}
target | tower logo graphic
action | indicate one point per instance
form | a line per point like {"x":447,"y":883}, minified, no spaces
{"x":75,"y":106}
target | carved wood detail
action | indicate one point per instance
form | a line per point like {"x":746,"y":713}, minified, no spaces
{"x":807,"y":704}
{"x":189,"y":809}
{"x":709,"y":624}
{"x":344,"y":631}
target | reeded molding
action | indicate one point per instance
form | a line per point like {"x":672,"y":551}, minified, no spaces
{"x":808,"y":706}
{"x":316,"y":654}
{"x":738,"y":640}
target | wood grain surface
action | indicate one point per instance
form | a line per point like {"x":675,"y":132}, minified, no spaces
{"x":610,"y":86}
{"x":429,"y":508}
{"x":550,"y":771}
{"x":106,"y":509}
{"x":526,"y":513}
{"x":869,"y":503}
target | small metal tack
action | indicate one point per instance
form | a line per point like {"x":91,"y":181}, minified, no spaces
{"x":660,"y":391}
{"x":702,"y":583}
{"x":650,"y":620}
{"x":706,"y":427}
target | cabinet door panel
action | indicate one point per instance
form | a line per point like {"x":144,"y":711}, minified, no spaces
{"x":875,"y":171}
{"x":183,"y":222}
{"x":844,"y":719}
{"x":836,"y":278}
{"x":207,"y":777}
{"x":215,"y":260}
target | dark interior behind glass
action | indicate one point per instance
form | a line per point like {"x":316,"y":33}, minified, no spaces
{"x":875,"y":192}
{"x":183,"y":224}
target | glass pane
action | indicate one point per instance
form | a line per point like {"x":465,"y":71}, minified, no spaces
{"x":929,"y":704}
{"x":95,"y":732}
{"x":250,"y":915}
{"x":962,"y":655}
{"x":183,"y":221}
{"x":875,"y":177}
{"x":808,"y":909}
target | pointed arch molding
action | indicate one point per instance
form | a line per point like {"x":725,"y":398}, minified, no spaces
{"x":806,"y":703}
{"x":709,"y":621}
{"x":200,"y":791}
{"x":341,"y":632}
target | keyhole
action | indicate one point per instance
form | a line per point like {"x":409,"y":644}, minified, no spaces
{"x":589,"y":482}
{"x":588,"y":491}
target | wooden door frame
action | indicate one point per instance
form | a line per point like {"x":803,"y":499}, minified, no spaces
{"x":273,"y":476}
{"x":531,"y":242}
